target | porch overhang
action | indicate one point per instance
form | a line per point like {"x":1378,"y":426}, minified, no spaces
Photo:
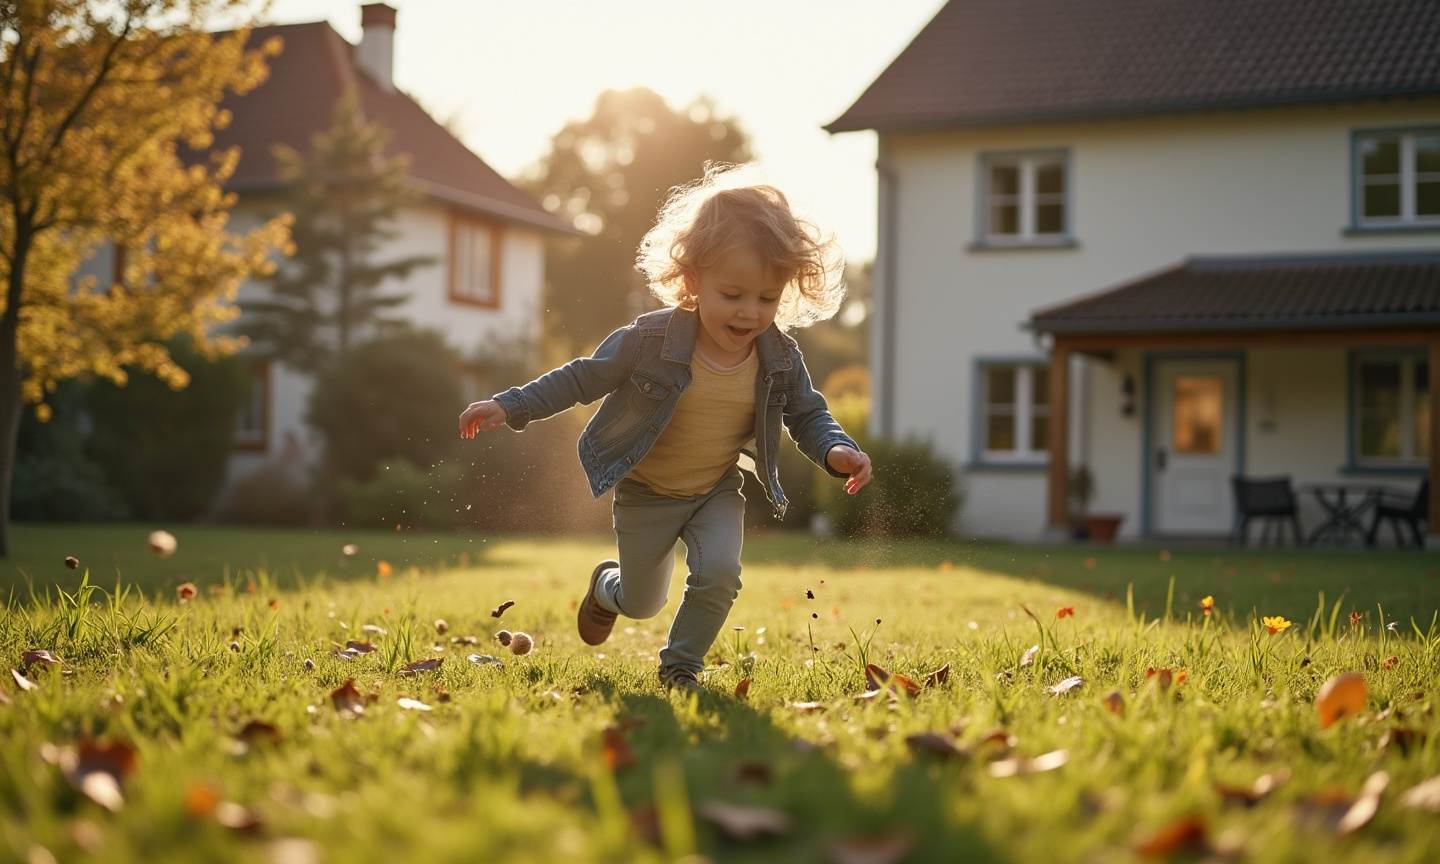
{"x":1380,"y":300}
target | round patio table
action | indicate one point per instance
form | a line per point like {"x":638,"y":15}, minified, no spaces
{"x":1345,"y":504}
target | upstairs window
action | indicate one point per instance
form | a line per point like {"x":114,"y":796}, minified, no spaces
{"x":252,"y":425}
{"x":1391,"y":409}
{"x":1026,"y":199}
{"x":474,"y":262}
{"x":1014,"y":411}
{"x":1398,"y":176}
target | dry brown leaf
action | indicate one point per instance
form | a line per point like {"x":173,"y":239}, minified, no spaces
{"x":31,"y":658}
{"x":1253,"y":794}
{"x":419,"y":666}
{"x":998,"y":741}
{"x":1188,"y":833}
{"x":1340,"y":813}
{"x":877,"y":678}
{"x":742,"y":689}
{"x":96,"y":769}
{"x":753,"y":772}
{"x":260,"y":732}
{"x":1340,"y":697}
{"x":809,"y":707}
{"x":1115,"y":703}
{"x":616,"y":749}
{"x":1015,"y":767}
{"x":886,"y":849}
{"x":500,"y":610}
{"x":1029,"y":656}
{"x":938,"y":677}
{"x":934,"y":744}
{"x":358,"y":647}
{"x":1365,"y":807}
{"x":1069,"y":684}
{"x":72,"y":562}
{"x":348,"y":700}
{"x":739,"y":822}
{"x":1402,"y":738}
{"x":1423,"y":796}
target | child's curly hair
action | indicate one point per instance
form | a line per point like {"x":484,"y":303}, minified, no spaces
{"x":729,"y":208}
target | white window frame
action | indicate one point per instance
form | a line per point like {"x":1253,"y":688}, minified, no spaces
{"x":1409,"y":179}
{"x":470,"y":284}
{"x":252,"y":423}
{"x":1409,"y":456}
{"x":1029,"y":164}
{"x":1026,"y":451}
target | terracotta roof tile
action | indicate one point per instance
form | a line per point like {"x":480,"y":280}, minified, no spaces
{"x":1376,"y":290}
{"x":984,"y":62}
{"x":297,"y":101}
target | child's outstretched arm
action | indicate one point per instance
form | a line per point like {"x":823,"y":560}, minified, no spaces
{"x":481,"y":417}
{"x":849,"y":461}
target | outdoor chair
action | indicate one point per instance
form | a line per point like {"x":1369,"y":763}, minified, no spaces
{"x":1398,"y":510}
{"x":1269,"y":498}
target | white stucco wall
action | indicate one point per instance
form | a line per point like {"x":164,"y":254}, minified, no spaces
{"x":1145,"y":194}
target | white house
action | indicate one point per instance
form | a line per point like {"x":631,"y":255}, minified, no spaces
{"x":1174,"y":242}
{"x":485,"y":235}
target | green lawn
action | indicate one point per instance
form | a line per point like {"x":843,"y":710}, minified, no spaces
{"x":572,"y":753}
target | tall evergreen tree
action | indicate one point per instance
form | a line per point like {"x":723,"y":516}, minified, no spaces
{"x":345,"y":194}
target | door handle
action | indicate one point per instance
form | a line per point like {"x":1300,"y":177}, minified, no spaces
{"x":1160,"y":459}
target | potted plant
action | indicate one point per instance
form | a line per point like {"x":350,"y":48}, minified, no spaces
{"x":1095,"y":527}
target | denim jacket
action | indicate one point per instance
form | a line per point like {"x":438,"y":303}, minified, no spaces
{"x":642,"y":369}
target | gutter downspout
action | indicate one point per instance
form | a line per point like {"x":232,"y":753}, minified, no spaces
{"x":882,"y":420}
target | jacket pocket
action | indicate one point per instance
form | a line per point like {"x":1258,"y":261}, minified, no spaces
{"x":627,"y":409}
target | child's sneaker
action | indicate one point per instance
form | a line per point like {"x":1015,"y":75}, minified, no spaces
{"x":676,"y":678}
{"x":595,"y":621}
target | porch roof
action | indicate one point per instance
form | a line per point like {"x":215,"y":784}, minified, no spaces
{"x":1369,"y":292}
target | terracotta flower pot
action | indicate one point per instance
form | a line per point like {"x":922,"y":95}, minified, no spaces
{"x":1102,"y":527}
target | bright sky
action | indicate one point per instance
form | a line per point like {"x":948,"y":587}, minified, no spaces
{"x":509,"y":74}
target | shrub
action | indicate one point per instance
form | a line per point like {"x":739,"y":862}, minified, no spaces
{"x":273,"y":494}
{"x":165,"y":450}
{"x":404,"y":495}
{"x":913,"y":494}
{"x":54,"y":480}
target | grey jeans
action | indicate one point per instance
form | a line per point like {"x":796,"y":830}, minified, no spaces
{"x":647,"y":524}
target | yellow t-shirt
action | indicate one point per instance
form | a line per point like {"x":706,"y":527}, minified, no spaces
{"x":713,"y":420}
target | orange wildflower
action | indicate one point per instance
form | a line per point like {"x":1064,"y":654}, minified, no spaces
{"x":185,"y":590}
{"x":1207,"y":604}
{"x":385,"y":569}
{"x":1275,"y":624}
{"x":1354,"y":619}
{"x":1065,"y":612}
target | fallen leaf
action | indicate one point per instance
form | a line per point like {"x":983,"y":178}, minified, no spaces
{"x":1253,"y":794}
{"x":1423,"y":796}
{"x":485,"y":660}
{"x":742,"y":689}
{"x":30,"y":658}
{"x":1390,"y":663}
{"x":412,"y":704}
{"x":933,"y":743}
{"x":1067,"y":685}
{"x":1162,"y":677}
{"x":1015,"y":767}
{"x":938,"y":677}
{"x":162,"y":544}
{"x":357,"y":647}
{"x":1343,"y":815}
{"x":1187,"y":833}
{"x":1403,"y":738}
{"x":95,"y":769}
{"x":877,"y":678}
{"x":293,"y":850}
{"x":1029,"y":656}
{"x":808,"y":707}
{"x":72,"y":562}
{"x":201,"y":799}
{"x":348,"y":700}
{"x":419,"y":666}
{"x":1115,"y":703}
{"x":998,"y":741}
{"x":616,"y":749}
{"x":186,"y":591}
{"x":373,"y":628}
{"x":22,"y":682}
{"x":886,"y":849}
{"x":261,"y":732}
{"x":500,"y":610}
{"x":238,"y":818}
{"x":1340,"y":697}
{"x":1365,"y":807}
{"x":753,"y":772}
{"x":739,"y":822}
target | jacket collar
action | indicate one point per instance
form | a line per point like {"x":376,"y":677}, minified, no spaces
{"x":684,"y":324}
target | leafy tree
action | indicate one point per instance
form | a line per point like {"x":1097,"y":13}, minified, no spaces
{"x":344,"y":194}
{"x":610,"y":174}
{"x":95,"y":101}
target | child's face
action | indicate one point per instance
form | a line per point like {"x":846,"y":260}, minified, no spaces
{"x":737,"y":298}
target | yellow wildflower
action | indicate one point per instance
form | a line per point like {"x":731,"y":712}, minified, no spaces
{"x":1275,"y":624}
{"x":1207,"y":604}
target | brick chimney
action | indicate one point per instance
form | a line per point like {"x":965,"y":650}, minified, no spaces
{"x":376,"y":54}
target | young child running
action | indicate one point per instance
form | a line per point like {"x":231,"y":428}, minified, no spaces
{"x":689,"y":390}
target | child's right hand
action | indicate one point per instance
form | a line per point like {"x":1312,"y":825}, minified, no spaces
{"x":481,"y":417}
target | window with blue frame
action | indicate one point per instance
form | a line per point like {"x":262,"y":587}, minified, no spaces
{"x":1397,"y":176}
{"x":1014,"y":410}
{"x":1390,"y":409}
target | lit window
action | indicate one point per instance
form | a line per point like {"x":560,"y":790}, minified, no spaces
{"x":1398,"y":176}
{"x":475,"y":262}
{"x":1025,"y":199}
{"x":1392,"y":408}
{"x":1015,"y":407}
{"x":252,"y":426}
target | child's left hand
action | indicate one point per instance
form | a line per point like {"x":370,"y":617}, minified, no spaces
{"x":848,"y":460}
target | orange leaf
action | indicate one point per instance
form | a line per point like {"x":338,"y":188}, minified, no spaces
{"x":1340,"y":697}
{"x":201,"y":799}
{"x":876,"y":678}
{"x":1115,"y":703}
{"x":1188,"y":833}
{"x":742,"y":689}
{"x":260,"y":731}
{"x":616,"y":749}
{"x":1389,"y":662}
{"x":419,"y":666}
{"x":347,"y":699}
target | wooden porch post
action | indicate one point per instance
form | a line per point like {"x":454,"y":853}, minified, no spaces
{"x":1432,"y":530}
{"x":1059,"y":485}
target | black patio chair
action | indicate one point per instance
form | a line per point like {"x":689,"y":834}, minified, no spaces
{"x":1269,"y":498}
{"x":1398,"y":510}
